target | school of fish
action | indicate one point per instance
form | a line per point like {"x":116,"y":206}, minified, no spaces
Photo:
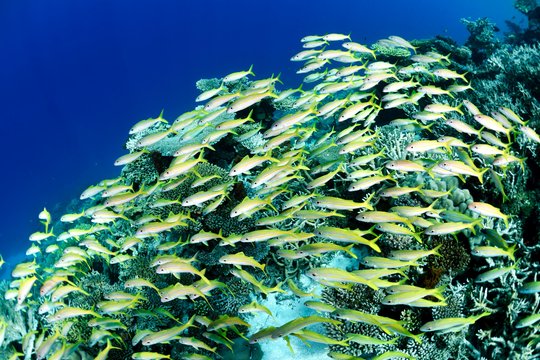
{"x":320,"y":160}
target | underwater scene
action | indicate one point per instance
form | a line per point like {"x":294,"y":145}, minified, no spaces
{"x":374,"y":199}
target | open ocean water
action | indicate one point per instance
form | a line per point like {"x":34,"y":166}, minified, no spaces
{"x":75,"y":75}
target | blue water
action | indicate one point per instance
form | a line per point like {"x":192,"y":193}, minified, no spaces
{"x":75,"y":75}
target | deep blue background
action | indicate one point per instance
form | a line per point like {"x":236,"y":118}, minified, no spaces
{"x":75,"y":75}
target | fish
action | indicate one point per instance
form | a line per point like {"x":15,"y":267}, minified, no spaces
{"x":308,"y":335}
{"x":460,"y":168}
{"x":335,"y":275}
{"x":335,"y":203}
{"x":531,"y":287}
{"x":488,"y":210}
{"x":69,"y":312}
{"x":165,"y":335}
{"x":353,"y":46}
{"x":443,"y":108}
{"x":529,"y":133}
{"x":130,"y":158}
{"x":496,"y":273}
{"x":238,"y":75}
{"x":181,"y":267}
{"x":146,"y":124}
{"x":383,"y":217}
{"x":449,"y":74}
{"x":241,"y":259}
{"x":493,"y":251}
{"x":138,"y":283}
{"x":25,"y":287}
{"x":300,"y":323}
{"x":249,"y":278}
{"x":406,"y":297}
{"x":382,"y":262}
{"x":397,"y":229}
{"x":254,"y":307}
{"x":249,"y":204}
{"x":451,"y":324}
{"x":529,"y":320}
{"x":149,"y":355}
{"x":246,"y":101}
{"x":422,"y":146}
{"x":321,"y":248}
{"x":262,"y":334}
{"x":319,"y":306}
{"x":452,"y":228}
{"x":347,"y":235}
{"x":225,"y":321}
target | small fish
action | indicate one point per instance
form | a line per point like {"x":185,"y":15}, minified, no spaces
{"x":422,"y":146}
{"x":493,"y":251}
{"x":449,"y":74}
{"x":335,"y":275}
{"x":530,"y":133}
{"x":254,"y":307}
{"x":238,"y":75}
{"x":382,"y":262}
{"x":528,"y":321}
{"x":210,"y":93}
{"x":300,"y":323}
{"x":397,"y":229}
{"x":319,"y":306}
{"x":145,"y":124}
{"x":262,"y":334}
{"x":69,"y":312}
{"x":531,"y":287}
{"x":451,"y":228}
{"x":443,"y":108}
{"x":308,"y":335}
{"x":239,"y":259}
{"x":451,"y":324}
{"x":383,"y":217}
{"x":148,"y":355}
{"x":406,"y":297}
{"x":129,"y":158}
{"x":460,"y":168}
{"x":497,"y":273}
{"x":321,"y":248}
{"x":488,"y":210}
{"x":334,"y":203}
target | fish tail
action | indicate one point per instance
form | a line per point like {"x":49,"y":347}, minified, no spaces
{"x":505,"y":219}
{"x":458,"y":109}
{"x":276,"y":288}
{"x":522,"y":163}
{"x":417,"y":237}
{"x":474,"y":223}
{"x":367,"y":202}
{"x":374,"y":246}
{"x":348,"y":251}
{"x":439,"y":292}
{"x":435,"y":250}
{"x":481,"y":174}
{"x":511,"y":250}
